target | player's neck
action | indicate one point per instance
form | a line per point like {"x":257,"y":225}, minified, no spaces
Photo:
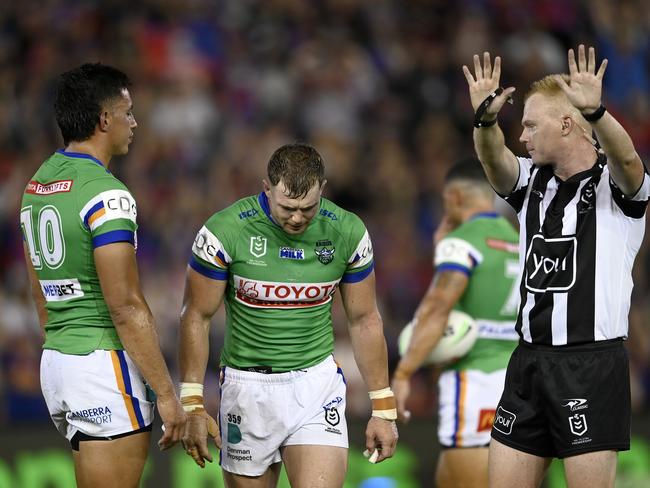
{"x":469,"y":212}
{"x":91,"y":148}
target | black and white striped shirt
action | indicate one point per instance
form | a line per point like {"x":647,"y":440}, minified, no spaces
{"x":578,"y":242}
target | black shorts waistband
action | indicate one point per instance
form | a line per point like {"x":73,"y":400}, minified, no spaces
{"x":572,"y":348}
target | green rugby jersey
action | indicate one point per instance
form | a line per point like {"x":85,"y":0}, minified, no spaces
{"x":280,"y":286}
{"x":71,"y":206}
{"x":486,"y":248}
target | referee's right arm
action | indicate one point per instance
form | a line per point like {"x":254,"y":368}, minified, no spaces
{"x":500,"y":164}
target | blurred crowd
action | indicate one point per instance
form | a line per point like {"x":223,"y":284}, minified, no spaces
{"x":375,"y":85}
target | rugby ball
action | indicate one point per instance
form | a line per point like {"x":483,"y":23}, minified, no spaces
{"x":456,"y":341}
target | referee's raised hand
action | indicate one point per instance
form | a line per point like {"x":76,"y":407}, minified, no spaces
{"x":485,"y":81}
{"x":585,"y":88}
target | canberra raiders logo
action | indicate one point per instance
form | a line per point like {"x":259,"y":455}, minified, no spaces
{"x":325,"y":251}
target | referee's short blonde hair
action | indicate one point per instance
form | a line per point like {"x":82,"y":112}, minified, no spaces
{"x":547,"y":86}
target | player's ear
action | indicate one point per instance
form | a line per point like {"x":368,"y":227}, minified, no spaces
{"x":104,"y":121}
{"x":265,"y":186}
{"x":322,"y":186}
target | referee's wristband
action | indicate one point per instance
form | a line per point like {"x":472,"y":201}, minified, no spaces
{"x":383,"y":404}
{"x":596,"y":114}
{"x":191,"y":396}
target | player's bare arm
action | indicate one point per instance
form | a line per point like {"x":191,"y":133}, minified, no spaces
{"x":585,"y":93}
{"x":430,"y":320}
{"x":202,"y":298}
{"x":37,"y":293}
{"x":369,"y":345}
{"x":500,"y":164}
{"x":118,"y":275}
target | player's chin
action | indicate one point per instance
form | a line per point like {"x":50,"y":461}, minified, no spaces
{"x":125,"y":148}
{"x":290,"y":229}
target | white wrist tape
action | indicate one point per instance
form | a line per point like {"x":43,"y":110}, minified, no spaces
{"x":191,"y":396}
{"x":383,"y":393}
{"x":379,"y":408}
{"x":191,"y":389}
{"x":385,"y":414}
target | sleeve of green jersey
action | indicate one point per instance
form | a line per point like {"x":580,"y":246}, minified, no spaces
{"x":456,"y":253}
{"x":108,"y":211}
{"x":361,"y":260}
{"x":209,"y":255}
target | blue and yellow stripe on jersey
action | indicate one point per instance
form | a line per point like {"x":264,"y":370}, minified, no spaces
{"x":123,"y":379}
{"x":94,"y":213}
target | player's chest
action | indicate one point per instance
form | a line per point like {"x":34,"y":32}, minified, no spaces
{"x":314,"y":257}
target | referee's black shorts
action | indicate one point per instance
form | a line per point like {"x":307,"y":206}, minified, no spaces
{"x":568,"y":400}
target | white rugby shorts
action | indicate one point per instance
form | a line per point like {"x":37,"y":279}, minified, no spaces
{"x":99,"y":394}
{"x":467,"y":404}
{"x":260,"y":413}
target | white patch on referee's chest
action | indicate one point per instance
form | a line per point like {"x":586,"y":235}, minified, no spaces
{"x":551,"y":264}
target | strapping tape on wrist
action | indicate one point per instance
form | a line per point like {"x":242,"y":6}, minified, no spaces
{"x":383,"y":404}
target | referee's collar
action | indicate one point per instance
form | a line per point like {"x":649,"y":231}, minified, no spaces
{"x":598,"y":166}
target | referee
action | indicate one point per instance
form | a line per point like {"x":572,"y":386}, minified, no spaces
{"x":581,"y":213}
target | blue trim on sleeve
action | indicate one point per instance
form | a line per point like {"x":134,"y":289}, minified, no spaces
{"x":454,"y":267}
{"x":114,"y":236}
{"x":207,"y":272}
{"x":357,"y":277}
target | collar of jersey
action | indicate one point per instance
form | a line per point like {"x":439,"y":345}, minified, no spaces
{"x":80,"y":155}
{"x":485,"y":215}
{"x":598,"y":166}
{"x":263,"y":200}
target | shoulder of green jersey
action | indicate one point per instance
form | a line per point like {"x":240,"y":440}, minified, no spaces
{"x":363,"y":254}
{"x":108,"y":205}
{"x":453,"y":250}
{"x":210,"y":249}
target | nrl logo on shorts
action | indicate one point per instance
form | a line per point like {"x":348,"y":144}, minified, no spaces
{"x":578,"y":424}
{"x":325,"y":251}
{"x":258,"y":246}
{"x":332,"y":416}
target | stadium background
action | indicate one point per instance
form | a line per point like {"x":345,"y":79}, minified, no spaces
{"x":376,"y":86}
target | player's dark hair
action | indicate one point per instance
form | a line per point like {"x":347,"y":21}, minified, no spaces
{"x":299,"y":166}
{"x":469,"y":169}
{"x":82,"y":94}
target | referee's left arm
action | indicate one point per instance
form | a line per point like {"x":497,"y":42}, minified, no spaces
{"x":625,"y":165}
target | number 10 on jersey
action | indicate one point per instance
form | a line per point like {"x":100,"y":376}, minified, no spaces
{"x":47,"y":232}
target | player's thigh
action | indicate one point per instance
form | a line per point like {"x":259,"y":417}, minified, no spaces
{"x":591,"y":470}
{"x":462,"y":468}
{"x":267,"y":480}
{"x":510,"y":468}
{"x":116,"y":463}
{"x":311,"y":466}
